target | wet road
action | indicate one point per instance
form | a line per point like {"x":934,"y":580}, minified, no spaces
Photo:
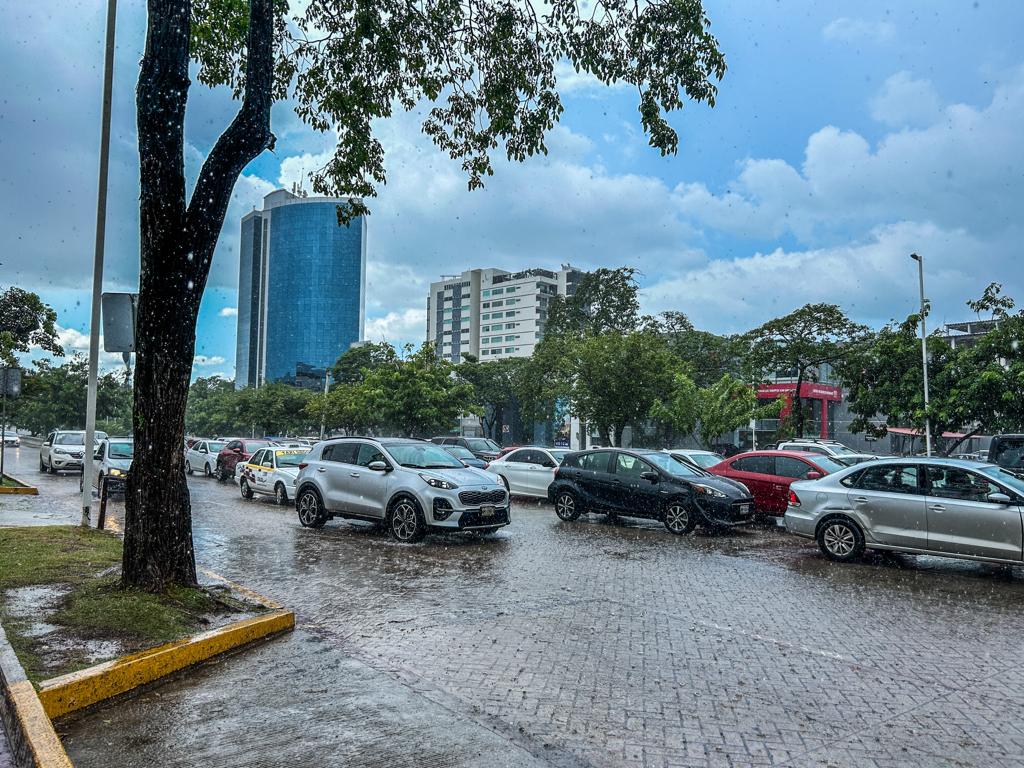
{"x":585,"y":643}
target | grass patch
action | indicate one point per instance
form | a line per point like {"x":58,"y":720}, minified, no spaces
{"x":55,"y":554}
{"x":9,"y":482}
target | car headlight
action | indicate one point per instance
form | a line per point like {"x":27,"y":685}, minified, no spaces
{"x":437,"y":482}
{"x":115,"y":472}
{"x":60,"y":451}
{"x":707,"y":490}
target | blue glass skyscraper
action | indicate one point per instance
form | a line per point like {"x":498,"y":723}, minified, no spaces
{"x":301,"y":290}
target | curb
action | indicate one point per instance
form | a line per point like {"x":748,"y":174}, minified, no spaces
{"x":29,"y":730}
{"x":26,"y":489}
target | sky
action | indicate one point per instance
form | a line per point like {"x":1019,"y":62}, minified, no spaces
{"x":846,"y":135}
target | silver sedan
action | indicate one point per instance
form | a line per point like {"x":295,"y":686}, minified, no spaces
{"x":931,"y":506}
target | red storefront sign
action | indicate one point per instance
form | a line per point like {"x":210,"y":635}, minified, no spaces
{"x":809,"y":389}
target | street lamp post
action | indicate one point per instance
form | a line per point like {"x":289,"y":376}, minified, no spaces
{"x":924,"y":356}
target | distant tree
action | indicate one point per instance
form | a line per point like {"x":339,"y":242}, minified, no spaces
{"x":707,"y":355}
{"x":274,"y":409}
{"x":210,"y":410}
{"x":26,"y":322}
{"x":344,"y":407}
{"x":604,"y":300}
{"x":495,"y":386}
{"x":355,"y":363}
{"x":799,"y":344}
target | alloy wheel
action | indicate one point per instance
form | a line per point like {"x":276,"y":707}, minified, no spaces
{"x":838,"y":539}
{"x":280,"y":495}
{"x":565,"y":506}
{"x":403,"y":521}
{"x":677,"y":518}
{"x":309,"y":509}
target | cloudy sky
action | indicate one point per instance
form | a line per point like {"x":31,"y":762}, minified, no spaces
{"x":846,"y":135}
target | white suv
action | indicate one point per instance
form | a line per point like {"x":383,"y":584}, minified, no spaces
{"x":408,"y":485}
{"x":832,"y":448}
{"x":65,"y":449}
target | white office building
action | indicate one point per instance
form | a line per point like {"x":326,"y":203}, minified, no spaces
{"x":491,"y":313}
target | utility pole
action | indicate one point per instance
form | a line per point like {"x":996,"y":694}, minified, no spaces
{"x":97,"y":272}
{"x":323,"y":413}
{"x":924,"y":356}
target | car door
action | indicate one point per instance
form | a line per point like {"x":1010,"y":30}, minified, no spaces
{"x":265,"y":471}
{"x":593,"y":477}
{"x":513,"y":469}
{"x":369,"y":487}
{"x":633,"y":494}
{"x":44,"y":451}
{"x":758,"y":474}
{"x":337,"y":475}
{"x":961,"y":520}
{"x":890,"y":501}
{"x":97,"y":466}
{"x":788,"y":469}
{"x":535,"y":478}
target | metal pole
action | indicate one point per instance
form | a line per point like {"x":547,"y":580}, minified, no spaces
{"x":323,"y":414}
{"x":3,"y":429}
{"x":924,"y":356}
{"x":97,"y":271}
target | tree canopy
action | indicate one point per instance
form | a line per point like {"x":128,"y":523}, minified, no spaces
{"x":26,"y":322}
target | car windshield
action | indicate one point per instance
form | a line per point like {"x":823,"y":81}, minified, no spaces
{"x":459,"y":452}
{"x":1008,"y":452}
{"x":423,"y":456}
{"x":289,"y":458}
{"x":705,"y":460}
{"x":215,"y":445}
{"x":255,"y":445}
{"x":559,"y":455}
{"x":70,"y":438}
{"x":121,"y":450}
{"x":842,"y":450}
{"x":829,"y":465}
{"x":482,"y":444}
{"x":672,"y":465}
{"x":1006,"y":477}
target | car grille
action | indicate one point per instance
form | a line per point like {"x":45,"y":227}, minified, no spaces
{"x":474,"y":520}
{"x":76,"y":455}
{"x":475,"y":498}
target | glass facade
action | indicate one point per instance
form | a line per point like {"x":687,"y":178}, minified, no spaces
{"x":301,"y":291}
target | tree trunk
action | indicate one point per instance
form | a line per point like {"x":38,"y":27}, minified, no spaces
{"x":177,"y":245}
{"x":954,"y":445}
{"x":798,"y":403}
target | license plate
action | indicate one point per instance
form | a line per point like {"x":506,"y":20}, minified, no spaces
{"x":744,"y":509}
{"x":487,"y":511}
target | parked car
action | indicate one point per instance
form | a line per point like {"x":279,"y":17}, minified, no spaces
{"x":947,"y":507}
{"x":768,"y":474}
{"x":202,"y":456}
{"x":12,"y":440}
{"x":1007,"y":451}
{"x":482,"y":447}
{"x":466,"y":456}
{"x":272,"y":472}
{"x":64,"y":449}
{"x":506,"y":450}
{"x":699,"y":459}
{"x":111,"y":463}
{"x":233,"y":452}
{"x":529,"y":471}
{"x":648,"y":484}
{"x":831,"y":448}
{"x":410,"y":486}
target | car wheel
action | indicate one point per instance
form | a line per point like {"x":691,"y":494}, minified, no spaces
{"x":567,"y":505}
{"x":222,"y":474}
{"x":81,"y":484}
{"x":188,"y":468}
{"x":42,"y":464}
{"x":405,"y":521}
{"x":50,"y":469}
{"x":679,"y":518}
{"x":245,"y":489}
{"x":311,"y":509}
{"x":207,"y":471}
{"x":280,"y":494}
{"x":840,"y":539}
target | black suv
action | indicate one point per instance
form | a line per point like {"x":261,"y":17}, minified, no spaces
{"x":647,"y":484}
{"x":482,"y":447}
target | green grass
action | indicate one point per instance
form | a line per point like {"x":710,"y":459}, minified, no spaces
{"x":6,"y":481}
{"x":55,"y":554}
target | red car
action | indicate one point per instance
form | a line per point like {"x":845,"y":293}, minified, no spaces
{"x":768,"y":474}
{"x":235,"y":451}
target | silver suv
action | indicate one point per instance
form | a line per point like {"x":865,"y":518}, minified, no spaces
{"x":832,"y":448}
{"x":408,"y":485}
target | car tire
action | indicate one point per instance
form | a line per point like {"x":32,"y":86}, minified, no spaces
{"x":81,"y":484}
{"x":567,"y":505}
{"x":207,"y":471}
{"x":222,"y":474}
{"x":245,"y":489}
{"x":405,"y":521}
{"x":310,"y":508}
{"x":280,"y":495}
{"x":840,"y":539}
{"x":188,"y":467}
{"x":42,"y":464}
{"x":50,"y":469}
{"x":679,"y":518}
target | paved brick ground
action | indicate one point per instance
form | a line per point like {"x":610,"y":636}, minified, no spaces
{"x":606,"y":645}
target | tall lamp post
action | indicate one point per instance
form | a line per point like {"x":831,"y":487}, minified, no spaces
{"x":924,"y":356}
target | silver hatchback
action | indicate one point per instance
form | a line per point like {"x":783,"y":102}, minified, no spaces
{"x":947,"y":507}
{"x":408,"y":485}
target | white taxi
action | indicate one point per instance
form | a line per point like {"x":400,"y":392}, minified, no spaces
{"x":272,"y":472}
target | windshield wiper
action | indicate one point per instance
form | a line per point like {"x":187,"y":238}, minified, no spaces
{"x":442,"y":466}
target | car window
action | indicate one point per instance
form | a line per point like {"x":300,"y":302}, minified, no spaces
{"x":960,"y":484}
{"x":761,"y":465}
{"x":628,"y":466}
{"x":558,"y":456}
{"x":215,"y":446}
{"x":423,"y":456}
{"x":890,"y":478}
{"x":482,"y":444}
{"x":705,"y":460}
{"x":256,"y":457}
{"x":828,"y":464}
{"x":267,"y":459}
{"x":1007,"y":452}
{"x":460,"y":452}
{"x":517,"y":457}
{"x":344,"y":453}
{"x":234,"y":444}
{"x":70,"y":438}
{"x":675,"y":466}
{"x":368,"y":452}
{"x":291,"y":458}
{"x":535,"y":457}
{"x":595,"y":462}
{"x":124,"y":449}
{"x":788,"y":466}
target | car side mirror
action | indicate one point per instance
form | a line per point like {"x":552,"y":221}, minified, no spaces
{"x":47,"y":444}
{"x":998,"y":498}
{"x":550,"y":464}
{"x":377,"y":466}
{"x":813,"y":475}
{"x":97,"y":454}
{"x":651,"y":477}
{"x":236,"y":450}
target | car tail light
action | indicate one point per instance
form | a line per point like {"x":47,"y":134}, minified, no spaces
{"x":302,"y":465}
{"x":794,"y":500}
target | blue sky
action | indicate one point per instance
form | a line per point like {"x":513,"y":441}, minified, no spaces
{"x":845,"y":136}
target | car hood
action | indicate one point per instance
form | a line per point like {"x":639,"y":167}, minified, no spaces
{"x":123,"y":464}
{"x":732,"y":488}
{"x":463,"y":476}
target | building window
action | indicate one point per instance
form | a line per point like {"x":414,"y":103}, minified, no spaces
{"x":509,"y":350}
{"x":486,"y":293}
{"x":495,"y":304}
{"x":509,"y":314}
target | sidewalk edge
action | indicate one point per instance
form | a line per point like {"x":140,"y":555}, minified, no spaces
{"x":26,"y":489}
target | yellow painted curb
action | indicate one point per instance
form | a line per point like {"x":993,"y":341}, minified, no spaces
{"x":72,"y":692}
{"x":42,"y":741}
{"x":25,"y":490}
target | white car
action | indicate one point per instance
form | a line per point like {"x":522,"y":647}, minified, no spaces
{"x":831,"y":448}
{"x":65,"y":449}
{"x":111,"y":463}
{"x":528,"y":471}
{"x":11,"y":440}
{"x":202,"y":456}
{"x":272,"y":472}
{"x":695,"y":458}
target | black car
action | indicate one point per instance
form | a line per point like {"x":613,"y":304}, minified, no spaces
{"x":482,"y":447}
{"x":649,"y":484}
{"x":1007,"y":451}
{"x":466,"y":456}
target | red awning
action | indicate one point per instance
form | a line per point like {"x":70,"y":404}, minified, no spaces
{"x":919,"y":433}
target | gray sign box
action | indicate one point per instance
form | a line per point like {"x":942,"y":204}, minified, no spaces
{"x":10,"y":382}
{"x":119,"y":321}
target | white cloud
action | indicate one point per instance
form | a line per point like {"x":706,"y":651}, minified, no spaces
{"x":849,"y":30}
{"x":906,"y":101}
{"x":409,"y":325}
{"x":205,"y":360}
{"x":228,"y":312}
{"x":75,"y":341}
{"x":580,"y":83}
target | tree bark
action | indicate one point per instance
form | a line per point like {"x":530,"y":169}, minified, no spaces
{"x":177,"y":245}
